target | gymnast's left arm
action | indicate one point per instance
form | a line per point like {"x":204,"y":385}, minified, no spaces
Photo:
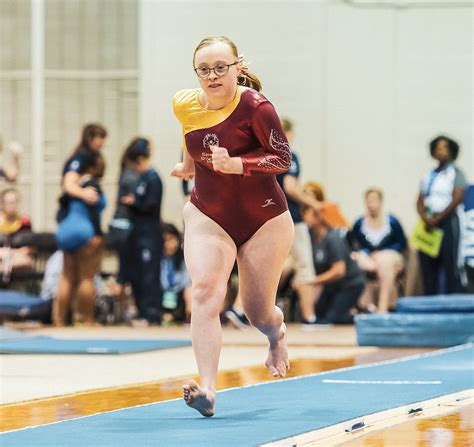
{"x":276,"y":157}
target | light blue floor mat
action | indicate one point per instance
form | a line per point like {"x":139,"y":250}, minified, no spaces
{"x":267,"y":412}
{"x":50,"y":345}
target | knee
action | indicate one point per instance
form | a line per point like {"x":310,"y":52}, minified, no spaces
{"x":257,"y":320}
{"x":262,"y":320}
{"x":86,"y":283}
{"x":208,"y":297}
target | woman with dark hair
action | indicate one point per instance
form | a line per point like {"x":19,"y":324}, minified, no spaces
{"x":121,"y":226}
{"x":145,"y":244}
{"x":81,"y":262}
{"x":441,"y":194}
{"x":175,"y":279}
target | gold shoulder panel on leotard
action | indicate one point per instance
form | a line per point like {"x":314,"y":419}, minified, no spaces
{"x":193,"y":116}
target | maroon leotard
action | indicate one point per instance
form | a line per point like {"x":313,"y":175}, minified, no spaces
{"x":248,"y":128}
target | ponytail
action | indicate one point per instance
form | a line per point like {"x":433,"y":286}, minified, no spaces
{"x":248,"y":79}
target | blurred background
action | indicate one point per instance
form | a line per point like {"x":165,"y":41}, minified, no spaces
{"x":367,"y":83}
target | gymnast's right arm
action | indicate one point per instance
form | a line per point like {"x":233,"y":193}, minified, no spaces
{"x":185,"y":169}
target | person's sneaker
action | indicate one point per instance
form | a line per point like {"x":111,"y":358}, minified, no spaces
{"x":317,"y":323}
{"x":321,"y":322}
{"x":238,"y":319}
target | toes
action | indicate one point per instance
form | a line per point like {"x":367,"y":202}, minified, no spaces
{"x":282,"y":370}
{"x":273,"y":371}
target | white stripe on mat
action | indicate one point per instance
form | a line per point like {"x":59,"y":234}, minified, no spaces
{"x":386,"y":382}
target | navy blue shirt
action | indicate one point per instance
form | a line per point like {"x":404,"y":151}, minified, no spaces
{"x":294,"y":171}
{"x":394,"y":239}
{"x":148,"y":194}
{"x":79,"y":162}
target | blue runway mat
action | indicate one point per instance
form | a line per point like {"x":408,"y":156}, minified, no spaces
{"x":267,"y":412}
{"x":25,"y":305}
{"x":50,"y":345}
{"x":9,"y":334}
{"x":455,"y":303}
{"x":415,"y":329}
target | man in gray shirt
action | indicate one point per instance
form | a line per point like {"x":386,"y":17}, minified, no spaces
{"x":336,"y":272}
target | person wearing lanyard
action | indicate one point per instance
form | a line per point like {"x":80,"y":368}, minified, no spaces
{"x":175,"y":280}
{"x":441,"y":194}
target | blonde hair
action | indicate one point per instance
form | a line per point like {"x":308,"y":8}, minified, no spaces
{"x":374,"y":190}
{"x":247,"y":78}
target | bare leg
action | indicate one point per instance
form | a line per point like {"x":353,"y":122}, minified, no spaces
{"x":90,"y":257}
{"x":302,"y":254}
{"x":365,"y":262}
{"x":307,"y":294}
{"x":389,"y":264}
{"x":369,"y":265}
{"x":209,"y":274}
{"x":187,"y":295}
{"x":66,"y":288}
{"x":261,"y":261}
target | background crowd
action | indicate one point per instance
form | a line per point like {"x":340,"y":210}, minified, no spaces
{"x":335,"y":270}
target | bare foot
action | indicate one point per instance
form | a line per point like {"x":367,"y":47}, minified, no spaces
{"x":277,"y":361}
{"x":199,"y":398}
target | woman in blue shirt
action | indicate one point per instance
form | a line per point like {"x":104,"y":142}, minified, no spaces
{"x":79,"y":233}
{"x":380,"y":242}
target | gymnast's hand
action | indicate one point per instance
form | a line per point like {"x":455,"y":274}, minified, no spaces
{"x":183,"y":172}
{"x":90,"y":195}
{"x":223,"y":162}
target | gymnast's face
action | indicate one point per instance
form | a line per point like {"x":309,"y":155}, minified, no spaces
{"x":218,"y":57}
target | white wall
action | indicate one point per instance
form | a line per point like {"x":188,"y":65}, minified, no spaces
{"x":367,"y":87}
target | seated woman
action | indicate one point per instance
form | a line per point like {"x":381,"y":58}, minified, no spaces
{"x":12,"y":225}
{"x":175,"y":280}
{"x":338,"y":275}
{"x":380,"y":242}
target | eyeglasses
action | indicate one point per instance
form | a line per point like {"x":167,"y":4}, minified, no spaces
{"x":219,"y":70}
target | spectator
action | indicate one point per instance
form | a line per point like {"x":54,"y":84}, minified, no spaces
{"x":12,"y":225}
{"x":175,"y":280}
{"x":121,"y":225}
{"x":341,"y":279}
{"x":52,"y":276}
{"x":441,"y":194}
{"x":146,"y":239}
{"x":330,"y":211}
{"x":300,"y":252}
{"x":380,"y":243}
{"x":315,"y":190}
{"x":10,"y":171}
{"x":468,"y":239}
{"x":80,"y":235}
